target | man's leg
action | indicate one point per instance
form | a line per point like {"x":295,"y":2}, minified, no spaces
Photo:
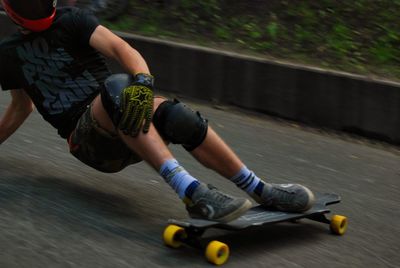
{"x":181,"y":125}
{"x":201,"y":201}
{"x":215,"y":154}
{"x":150,"y":147}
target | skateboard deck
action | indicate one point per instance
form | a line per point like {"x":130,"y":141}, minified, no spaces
{"x":189,"y":231}
{"x":258,"y":216}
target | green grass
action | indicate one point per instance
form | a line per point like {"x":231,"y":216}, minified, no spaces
{"x":360,"y":36}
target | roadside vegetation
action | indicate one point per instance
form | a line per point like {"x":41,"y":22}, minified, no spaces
{"x":359,"y":36}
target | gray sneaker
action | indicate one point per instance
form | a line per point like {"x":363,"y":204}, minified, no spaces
{"x":286,"y":197}
{"x":209,"y":203}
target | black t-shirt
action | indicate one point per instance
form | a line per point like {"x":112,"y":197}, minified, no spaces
{"x":57,"y":68}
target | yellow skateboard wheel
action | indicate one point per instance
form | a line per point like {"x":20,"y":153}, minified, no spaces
{"x":173,"y":235}
{"x":217,"y":252}
{"x":338,"y":224}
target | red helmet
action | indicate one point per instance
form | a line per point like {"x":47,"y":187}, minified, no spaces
{"x":34,"y":15}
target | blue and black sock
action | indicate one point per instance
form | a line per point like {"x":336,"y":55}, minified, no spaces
{"x":179,"y":179}
{"x":246,"y":180}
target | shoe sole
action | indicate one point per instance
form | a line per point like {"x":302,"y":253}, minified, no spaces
{"x":237,"y":213}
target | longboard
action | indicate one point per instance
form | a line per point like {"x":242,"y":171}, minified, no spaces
{"x":189,"y":231}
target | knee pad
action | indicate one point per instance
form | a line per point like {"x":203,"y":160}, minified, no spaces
{"x":111,"y":92}
{"x":179,"y":124}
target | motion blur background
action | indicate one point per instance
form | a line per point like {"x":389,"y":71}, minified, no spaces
{"x":360,"y":36}
{"x":353,"y":45}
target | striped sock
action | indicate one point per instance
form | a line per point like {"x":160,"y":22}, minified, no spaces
{"x":248,"y":181}
{"x":178,"y":178}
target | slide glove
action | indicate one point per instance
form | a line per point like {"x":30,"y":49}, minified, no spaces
{"x":137,"y":105}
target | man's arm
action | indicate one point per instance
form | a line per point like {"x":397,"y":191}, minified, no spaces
{"x":136,"y":103}
{"x":112,"y":46}
{"x":17,"y":111}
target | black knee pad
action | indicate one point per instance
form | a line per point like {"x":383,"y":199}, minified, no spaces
{"x":179,"y":124}
{"x":111,"y":92}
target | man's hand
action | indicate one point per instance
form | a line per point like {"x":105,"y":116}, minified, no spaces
{"x":137,"y":106}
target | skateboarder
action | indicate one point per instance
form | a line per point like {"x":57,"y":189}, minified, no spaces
{"x":55,"y":63}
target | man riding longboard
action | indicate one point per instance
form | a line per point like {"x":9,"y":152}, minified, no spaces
{"x":55,"y":62}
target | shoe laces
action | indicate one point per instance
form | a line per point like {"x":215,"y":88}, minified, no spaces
{"x":283,"y":194}
{"x":218,"y":196}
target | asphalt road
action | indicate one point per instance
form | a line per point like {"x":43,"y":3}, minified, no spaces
{"x":56,"y":212}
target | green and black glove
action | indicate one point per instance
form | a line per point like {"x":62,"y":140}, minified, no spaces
{"x":137,"y":105}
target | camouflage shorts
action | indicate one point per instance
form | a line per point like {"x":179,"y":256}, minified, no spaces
{"x":98,"y":148}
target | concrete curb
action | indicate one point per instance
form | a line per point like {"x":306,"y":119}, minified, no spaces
{"x":314,"y":96}
{"x":318,"y":97}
